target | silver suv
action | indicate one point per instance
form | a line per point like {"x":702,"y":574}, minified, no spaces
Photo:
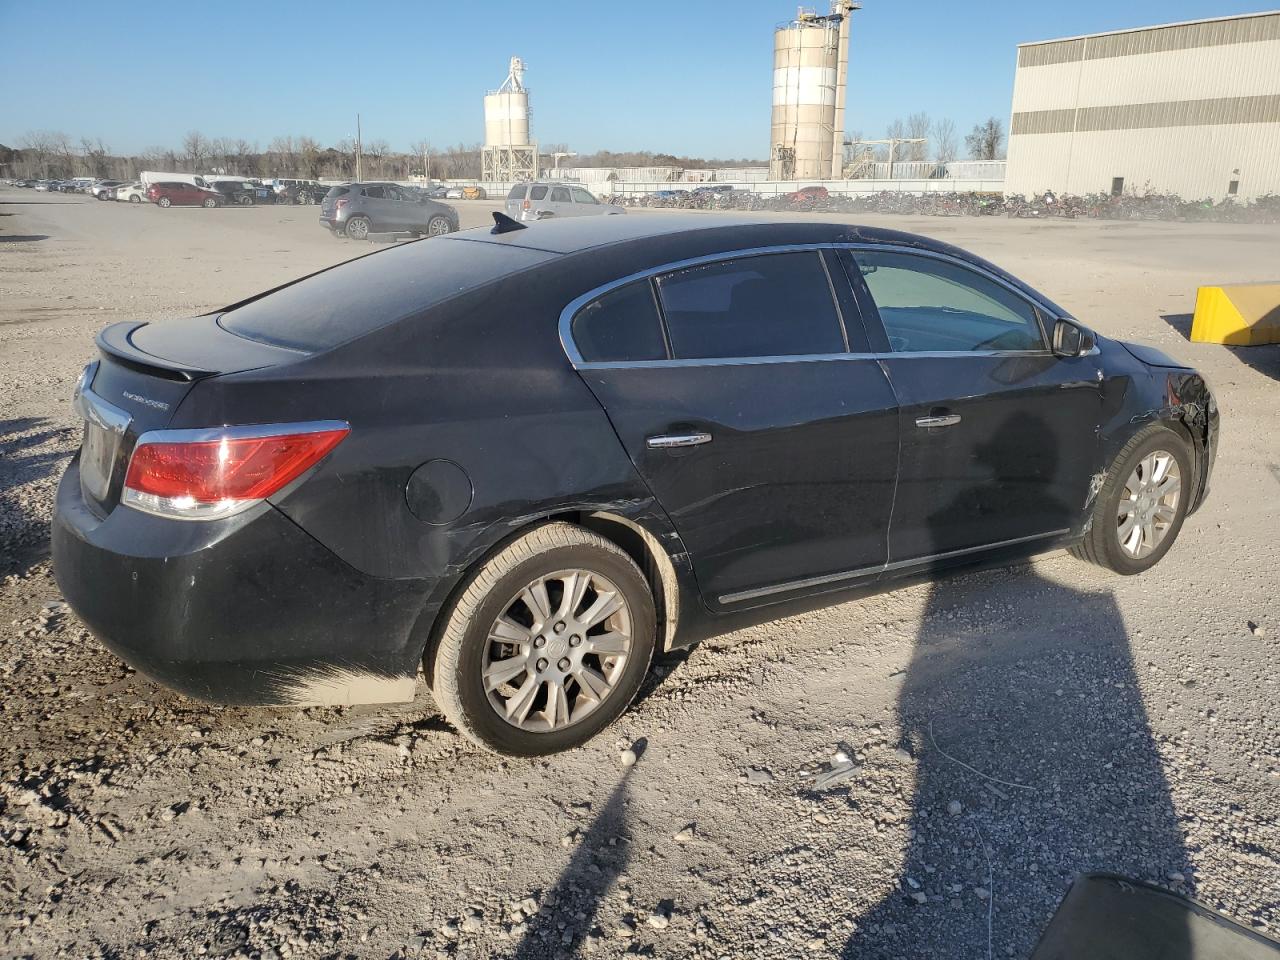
{"x":357,"y":210}
{"x":541,"y":201}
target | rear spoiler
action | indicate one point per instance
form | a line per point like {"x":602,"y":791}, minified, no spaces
{"x":189,"y":349}
{"x":115,"y":344}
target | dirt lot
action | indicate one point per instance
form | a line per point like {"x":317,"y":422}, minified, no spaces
{"x":1006,"y":729}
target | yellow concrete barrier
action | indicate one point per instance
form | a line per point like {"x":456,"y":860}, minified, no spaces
{"x":1242,"y":315}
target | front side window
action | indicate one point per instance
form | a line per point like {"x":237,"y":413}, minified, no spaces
{"x":581,"y":196}
{"x":761,"y":306}
{"x":929,"y":305}
{"x":622,"y":325}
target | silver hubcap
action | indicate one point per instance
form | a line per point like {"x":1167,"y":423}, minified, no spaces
{"x":437,"y":228}
{"x":357,"y":229}
{"x":557,"y":650}
{"x":1149,"y":504}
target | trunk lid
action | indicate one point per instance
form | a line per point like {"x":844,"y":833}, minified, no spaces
{"x":144,"y":373}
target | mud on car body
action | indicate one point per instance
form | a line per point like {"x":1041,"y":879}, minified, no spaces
{"x":520,"y":462}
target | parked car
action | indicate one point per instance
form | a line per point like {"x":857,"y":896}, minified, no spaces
{"x":453,"y":193}
{"x":357,"y":210}
{"x":103,"y":188}
{"x":473,"y":193}
{"x":236,"y":191}
{"x":542,"y":201}
{"x":808,"y":194}
{"x":438,"y":192}
{"x":300,"y":191}
{"x":130,"y":192}
{"x":42,"y":185}
{"x":526,"y":462}
{"x":183,"y":195}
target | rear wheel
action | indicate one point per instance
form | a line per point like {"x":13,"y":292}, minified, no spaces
{"x":547,"y":644}
{"x":245,"y":201}
{"x":358,"y":228}
{"x":438,"y":226}
{"x":135,"y":199}
{"x":1142,"y":504}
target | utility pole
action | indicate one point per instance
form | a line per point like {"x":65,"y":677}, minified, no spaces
{"x":358,"y":148}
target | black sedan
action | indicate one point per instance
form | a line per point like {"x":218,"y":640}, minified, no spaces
{"x":522,"y":461}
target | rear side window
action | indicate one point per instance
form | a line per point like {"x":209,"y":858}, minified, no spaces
{"x":772,"y":305}
{"x":517,"y":192}
{"x":929,"y":305}
{"x":359,"y":297}
{"x":335,"y":192}
{"x":538,"y":192}
{"x":622,"y":325}
{"x":377,"y":193}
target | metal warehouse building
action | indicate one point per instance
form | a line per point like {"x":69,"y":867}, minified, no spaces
{"x":1187,"y":108}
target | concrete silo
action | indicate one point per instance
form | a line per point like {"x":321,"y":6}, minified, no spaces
{"x":810,"y":74}
{"x":509,"y":152}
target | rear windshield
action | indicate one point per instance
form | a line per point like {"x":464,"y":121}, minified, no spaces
{"x":364,"y":295}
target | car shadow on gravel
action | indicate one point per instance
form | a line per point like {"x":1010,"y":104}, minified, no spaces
{"x":1264,"y":358}
{"x":26,"y":461}
{"x":1034,"y":759}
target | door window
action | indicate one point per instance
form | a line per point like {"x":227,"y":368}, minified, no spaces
{"x":763,"y":306}
{"x":559,"y":195}
{"x":622,"y":325}
{"x":375,"y":193}
{"x":538,"y":192}
{"x":581,"y":196}
{"x":929,"y":305}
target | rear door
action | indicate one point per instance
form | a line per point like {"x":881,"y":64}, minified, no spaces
{"x":559,"y":202}
{"x":771,"y":446}
{"x":380,"y":211}
{"x":999,"y":436}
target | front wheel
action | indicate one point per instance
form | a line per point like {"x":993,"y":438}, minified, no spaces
{"x":438,"y":226}
{"x":245,"y":201}
{"x":1143,"y":501}
{"x":547,"y":644}
{"x":210,"y":203}
{"x":164,"y":202}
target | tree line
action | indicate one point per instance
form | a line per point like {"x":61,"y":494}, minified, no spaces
{"x":938,"y":140}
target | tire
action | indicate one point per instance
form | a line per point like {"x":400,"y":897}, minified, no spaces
{"x":135,"y":199}
{"x":245,"y":201}
{"x":164,"y":202}
{"x":438,"y":226}
{"x":494,"y":590}
{"x":209,"y":203}
{"x":358,"y":228}
{"x":1105,"y":544}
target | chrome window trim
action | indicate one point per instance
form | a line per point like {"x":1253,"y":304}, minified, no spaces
{"x":792,"y":585}
{"x":571,"y":309}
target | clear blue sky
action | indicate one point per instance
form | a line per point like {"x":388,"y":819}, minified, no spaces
{"x":690,"y":78}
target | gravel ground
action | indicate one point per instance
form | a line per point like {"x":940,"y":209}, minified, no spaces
{"x":919,"y":774}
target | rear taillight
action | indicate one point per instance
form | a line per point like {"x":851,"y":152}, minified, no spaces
{"x":525,"y":205}
{"x":340,"y":204}
{"x":206,"y":474}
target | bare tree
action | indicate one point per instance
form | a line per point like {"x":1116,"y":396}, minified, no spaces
{"x":918,"y":126}
{"x":38,"y":150}
{"x":422,"y":153}
{"x":309,"y":156}
{"x":987,"y":140}
{"x":284,"y":156}
{"x":944,"y":140}
{"x":376,"y":151}
{"x":97,"y":157}
{"x":246,"y":162}
{"x":196,"y":148}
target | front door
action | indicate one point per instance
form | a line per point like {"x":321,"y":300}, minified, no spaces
{"x":999,"y":436}
{"x":772,"y":448}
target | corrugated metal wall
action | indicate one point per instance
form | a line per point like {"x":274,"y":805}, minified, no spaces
{"x":1187,"y":108}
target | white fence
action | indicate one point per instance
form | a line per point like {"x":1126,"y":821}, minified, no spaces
{"x":839,"y":188}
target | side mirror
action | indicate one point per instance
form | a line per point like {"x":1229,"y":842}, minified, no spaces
{"x":1072,"y":340}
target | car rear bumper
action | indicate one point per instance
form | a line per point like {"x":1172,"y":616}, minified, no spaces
{"x":247,"y":610}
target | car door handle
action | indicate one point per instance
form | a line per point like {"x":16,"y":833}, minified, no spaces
{"x":945,"y":420}
{"x":669,"y":440}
